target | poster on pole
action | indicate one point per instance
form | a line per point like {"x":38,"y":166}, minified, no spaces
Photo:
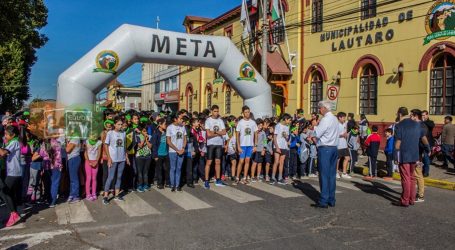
{"x":78,"y":124}
{"x":332,"y":94}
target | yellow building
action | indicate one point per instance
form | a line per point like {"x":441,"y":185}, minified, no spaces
{"x":380,"y":55}
{"x":203,"y":87}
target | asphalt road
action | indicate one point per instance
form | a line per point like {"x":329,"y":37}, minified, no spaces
{"x":259,"y":216}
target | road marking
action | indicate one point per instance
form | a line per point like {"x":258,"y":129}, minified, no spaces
{"x":18,"y":226}
{"x":73,"y":213}
{"x":184,"y":199}
{"x":281,"y":192}
{"x":317,"y":188}
{"x":347,"y":185}
{"x":33,"y":239}
{"x":135,"y":206}
{"x":234,"y":194}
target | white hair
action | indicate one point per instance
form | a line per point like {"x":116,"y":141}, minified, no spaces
{"x":325,"y":104}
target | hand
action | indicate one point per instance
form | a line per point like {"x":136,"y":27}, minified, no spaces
{"x":254,"y":149}
{"x":202,"y":154}
{"x":181,"y":151}
{"x":278,"y":151}
{"x":109,"y":162}
{"x":263,"y":153}
{"x":240,"y":150}
{"x":128,"y":161}
{"x":156,"y":159}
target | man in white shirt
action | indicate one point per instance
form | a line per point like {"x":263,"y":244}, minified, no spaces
{"x":327,"y":135}
{"x":246,"y":137}
{"x":343,"y":151}
{"x":214,"y":126}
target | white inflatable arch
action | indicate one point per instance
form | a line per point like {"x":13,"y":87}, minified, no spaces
{"x":130,"y":44}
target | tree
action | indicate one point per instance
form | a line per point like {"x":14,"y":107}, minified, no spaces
{"x":20,"y":21}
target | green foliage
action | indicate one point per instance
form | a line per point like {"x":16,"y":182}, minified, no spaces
{"x":20,"y":21}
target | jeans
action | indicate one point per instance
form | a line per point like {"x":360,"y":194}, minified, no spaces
{"x":426,"y":164}
{"x":25,"y":180}
{"x":73,"y":168}
{"x":189,"y":169}
{"x":143,"y":165}
{"x":354,"y":158}
{"x":116,"y":167}
{"x":408,"y":183}
{"x":175,"y":167}
{"x":162,"y":168}
{"x":311,"y":165}
{"x":327,"y":164}
{"x":389,"y":163}
{"x":447,"y":151}
{"x":198,"y":167}
{"x":293,"y":161}
{"x":51,"y":184}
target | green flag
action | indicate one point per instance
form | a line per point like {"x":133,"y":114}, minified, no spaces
{"x":275,"y":10}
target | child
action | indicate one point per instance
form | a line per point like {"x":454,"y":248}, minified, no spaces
{"x":372,"y":144}
{"x":143,"y":159}
{"x":294,"y":144}
{"x":246,"y":133}
{"x":388,"y":151}
{"x":313,"y":150}
{"x":269,"y":150}
{"x":176,"y":139}
{"x":10,"y":190}
{"x":35,"y":169}
{"x":354,"y":146}
{"x":260,"y":151}
{"x":51,"y":153}
{"x":92,"y":157}
{"x":280,"y":141}
{"x":117,"y":156}
{"x":231,"y":153}
{"x":160,"y":152}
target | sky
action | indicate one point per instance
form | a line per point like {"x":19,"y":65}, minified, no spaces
{"x":75,"y":27}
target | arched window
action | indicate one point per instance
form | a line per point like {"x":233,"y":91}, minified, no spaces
{"x":227,"y":100}
{"x":369,"y":90}
{"x":315,"y":91}
{"x":189,"y":98}
{"x":442,"y":85}
{"x":208,"y":92}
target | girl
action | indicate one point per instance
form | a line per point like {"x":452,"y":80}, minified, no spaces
{"x":10,"y":190}
{"x":92,"y":157}
{"x":269,"y":150}
{"x":280,"y":141}
{"x":73,"y":149}
{"x":160,"y":152}
{"x":116,"y":158}
{"x":176,"y":139}
{"x":143,"y":159}
{"x":50,"y":152}
{"x":26,"y":158}
{"x":108,"y":124}
{"x":35,"y":168}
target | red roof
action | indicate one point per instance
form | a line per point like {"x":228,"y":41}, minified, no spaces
{"x":275,"y":62}
{"x":227,"y":15}
{"x":197,"y":19}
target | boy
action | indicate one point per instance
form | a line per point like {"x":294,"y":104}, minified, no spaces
{"x":269,"y":150}
{"x":388,"y":151}
{"x":354,"y":146}
{"x":260,"y":151}
{"x":343,"y":151}
{"x":372,"y":144}
{"x":246,"y":133}
{"x":293,"y":152}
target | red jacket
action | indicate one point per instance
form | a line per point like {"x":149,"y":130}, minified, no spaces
{"x":372,"y":143}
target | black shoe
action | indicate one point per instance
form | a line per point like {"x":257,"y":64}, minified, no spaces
{"x":331,"y":205}
{"x":191,"y":185}
{"x":160,"y":187}
{"x":173,"y":189}
{"x":179,"y":189}
{"x":426,"y":175}
{"x":317,"y":205}
{"x":168,"y":186}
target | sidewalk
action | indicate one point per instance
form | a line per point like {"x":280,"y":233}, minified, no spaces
{"x":439,"y":177}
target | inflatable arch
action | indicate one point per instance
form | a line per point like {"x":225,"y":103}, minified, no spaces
{"x":130,"y":44}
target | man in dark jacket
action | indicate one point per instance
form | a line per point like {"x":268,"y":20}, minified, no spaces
{"x":430,"y":126}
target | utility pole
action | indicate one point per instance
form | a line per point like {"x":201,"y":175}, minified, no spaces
{"x":265,"y":40}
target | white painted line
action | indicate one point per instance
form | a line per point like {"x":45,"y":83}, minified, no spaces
{"x":33,"y":239}
{"x":347,"y":185}
{"x":184,"y":199}
{"x":234,"y":194}
{"x":135,"y":206}
{"x":317,"y":188}
{"x":21,"y":225}
{"x":281,"y":192}
{"x":73,"y":213}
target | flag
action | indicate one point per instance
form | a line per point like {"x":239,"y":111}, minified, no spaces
{"x":275,"y":10}
{"x":245,"y":20}
{"x":254,"y":6}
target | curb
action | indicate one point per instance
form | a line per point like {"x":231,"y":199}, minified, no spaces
{"x":428,"y":181}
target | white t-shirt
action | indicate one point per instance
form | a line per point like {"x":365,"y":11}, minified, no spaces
{"x":92,"y":150}
{"x":342,"y":143}
{"x":247,"y":128}
{"x":76,"y":150}
{"x":176,"y":133}
{"x":116,"y":141}
{"x":282,"y":135}
{"x":232,"y":146}
{"x":13,"y":165}
{"x":214,"y":125}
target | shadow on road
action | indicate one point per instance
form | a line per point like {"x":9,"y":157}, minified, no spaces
{"x":307,"y":189}
{"x":378,"y":189}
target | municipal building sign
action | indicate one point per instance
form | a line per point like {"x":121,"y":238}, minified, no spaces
{"x":440,"y":21}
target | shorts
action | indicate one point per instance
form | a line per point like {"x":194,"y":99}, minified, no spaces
{"x":283,"y":151}
{"x":247,"y":152}
{"x":344,"y":152}
{"x":268,"y":158}
{"x":258,"y":158}
{"x":232,"y":157}
{"x":214,"y":152}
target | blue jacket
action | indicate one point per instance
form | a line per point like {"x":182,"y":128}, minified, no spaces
{"x":155,"y":141}
{"x":294,"y":140}
{"x":390,"y":145}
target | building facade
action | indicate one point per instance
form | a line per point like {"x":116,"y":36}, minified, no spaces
{"x":148,"y":81}
{"x":201,"y":88}
{"x":371,"y":57}
{"x":166,"y":89}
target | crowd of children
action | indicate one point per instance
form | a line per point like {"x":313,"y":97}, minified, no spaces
{"x":137,"y":150}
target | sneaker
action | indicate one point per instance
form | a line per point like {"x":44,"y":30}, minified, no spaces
{"x":338,"y":176}
{"x":420,"y":199}
{"x":69,"y":199}
{"x":312,"y":176}
{"x":119,"y":198}
{"x":206,"y":185}
{"x":52,"y":205}
{"x":232,"y":178}
{"x":173,"y":189}
{"x":236,"y":182}
{"x":140,"y":189}
{"x":272,"y":181}
{"x":223,"y":178}
{"x":282,"y":182}
{"x":179,"y":189}
{"x":254,"y":180}
{"x":219,"y":183}
{"x":304,"y":177}
{"x":247,"y":182}
{"x":14,"y":218}
{"x":267,"y":179}
{"x":345,"y":176}
{"x":105,"y":201}
{"x":75,"y":200}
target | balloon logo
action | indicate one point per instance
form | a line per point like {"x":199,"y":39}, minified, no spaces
{"x":247,"y":72}
{"x":107,"y":61}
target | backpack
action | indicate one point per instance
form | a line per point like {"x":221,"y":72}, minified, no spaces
{"x":304,"y":153}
